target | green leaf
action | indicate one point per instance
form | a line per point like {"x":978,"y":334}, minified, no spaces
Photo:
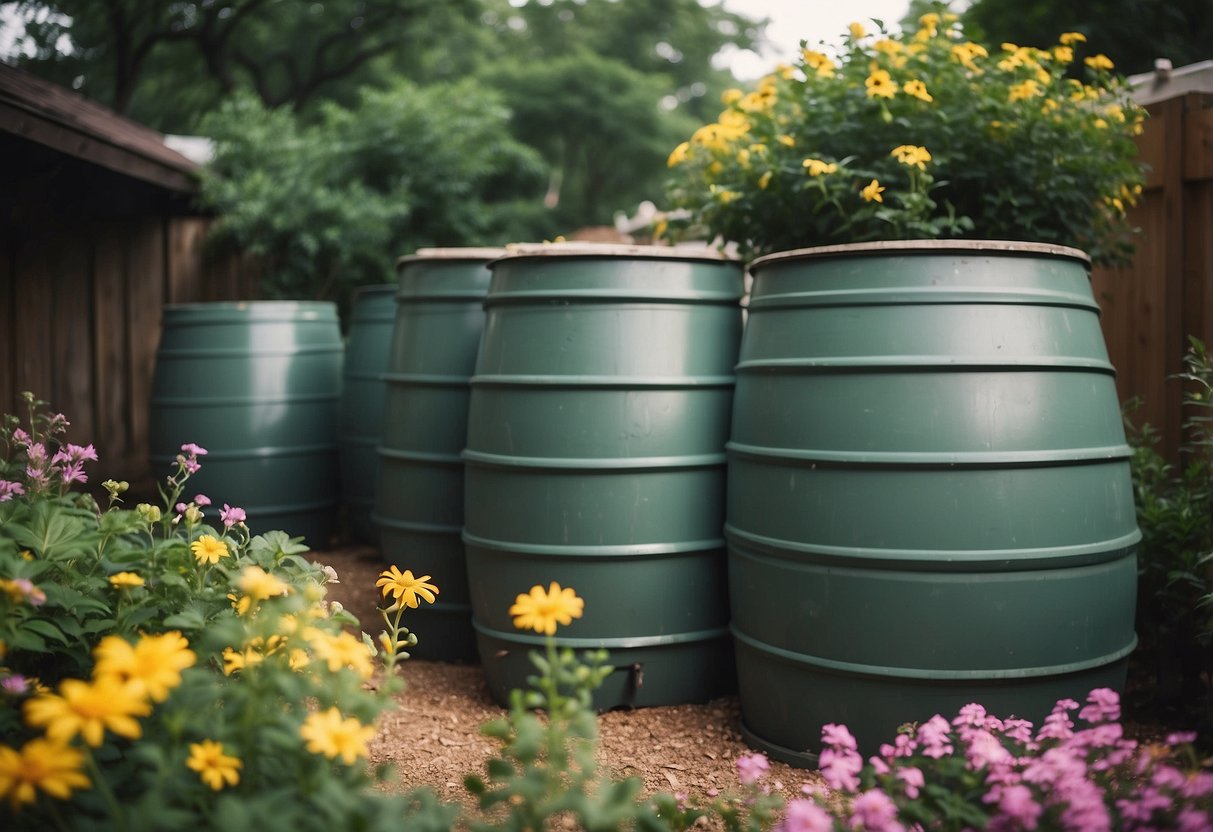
{"x":45,"y":628}
{"x":188,"y":619}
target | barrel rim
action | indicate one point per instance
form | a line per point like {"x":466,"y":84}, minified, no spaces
{"x":374,"y":289}
{"x":522,"y":251}
{"x":253,"y":306}
{"x":468,"y":253}
{"x":925,"y":247}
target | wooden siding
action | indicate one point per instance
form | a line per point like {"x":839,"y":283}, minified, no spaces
{"x":80,"y":307}
{"x":1152,"y":305}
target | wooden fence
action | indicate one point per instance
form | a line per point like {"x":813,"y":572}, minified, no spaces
{"x":1166,"y":294}
{"x":80,"y":304}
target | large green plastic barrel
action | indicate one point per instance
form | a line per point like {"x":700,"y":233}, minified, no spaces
{"x":419,"y":501}
{"x":360,"y":416}
{"x":596,"y":430}
{"x":929,"y":492}
{"x":256,"y":384}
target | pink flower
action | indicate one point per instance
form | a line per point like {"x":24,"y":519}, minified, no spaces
{"x":201,"y":500}
{"x":14,"y":685}
{"x":1104,"y":707}
{"x":985,"y":750}
{"x":913,"y":779}
{"x":75,"y":453}
{"x":840,"y":768}
{"x":22,"y":438}
{"x":1192,"y":820}
{"x":1199,"y":784}
{"x":1181,"y":737}
{"x":1019,"y":730}
{"x":874,"y":811}
{"x":1017,"y":805}
{"x":180,"y":508}
{"x":193,"y":450}
{"x":8,"y":490}
{"x":231,"y":515}
{"x":750,"y":767}
{"x":837,"y":736}
{"x":934,"y":735}
{"x":805,"y":816}
{"x":73,"y":473}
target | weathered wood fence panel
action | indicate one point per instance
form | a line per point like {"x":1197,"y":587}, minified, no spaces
{"x":80,"y":305}
{"x":1151,"y":306}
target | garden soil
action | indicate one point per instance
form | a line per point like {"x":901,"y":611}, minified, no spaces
{"x":432,"y":736}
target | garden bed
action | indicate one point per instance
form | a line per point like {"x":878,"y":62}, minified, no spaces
{"x":432,"y":738}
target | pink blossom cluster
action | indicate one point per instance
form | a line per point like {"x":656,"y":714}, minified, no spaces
{"x":1062,"y":776}
{"x":43,"y":469}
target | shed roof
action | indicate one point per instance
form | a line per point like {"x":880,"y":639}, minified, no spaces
{"x":48,"y":114}
{"x":1165,"y":82}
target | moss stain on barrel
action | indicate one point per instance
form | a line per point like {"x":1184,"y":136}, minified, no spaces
{"x":929,"y":492}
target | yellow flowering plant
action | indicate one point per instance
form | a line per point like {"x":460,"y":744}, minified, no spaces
{"x":917,"y":135}
{"x":160,"y":670}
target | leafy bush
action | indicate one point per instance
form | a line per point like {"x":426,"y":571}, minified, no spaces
{"x":160,"y":672}
{"x":330,"y":204}
{"x":920,"y":134}
{"x":1175,"y":560}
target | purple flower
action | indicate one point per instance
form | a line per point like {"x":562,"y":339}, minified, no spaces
{"x":1149,"y":800}
{"x":73,"y":473}
{"x":21,"y":437}
{"x":75,"y":453}
{"x":1181,"y":737}
{"x":805,"y":816}
{"x":1104,"y":707}
{"x":8,"y":490}
{"x":841,"y":768}
{"x":1199,"y":784}
{"x":231,"y":515}
{"x":874,"y":811}
{"x":837,"y":736}
{"x":750,"y":767}
{"x":1192,"y":820}
{"x":201,"y":500}
{"x":14,"y":685}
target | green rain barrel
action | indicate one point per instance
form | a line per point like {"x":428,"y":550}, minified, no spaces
{"x":360,"y":415}
{"x":257,"y":385}
{"x":595,"y":458}
{"x":419,"y":500}
{"x":929,"y":491}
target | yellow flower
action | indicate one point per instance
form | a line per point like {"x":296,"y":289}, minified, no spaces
{"x":1100,"y":124}
{"x":912,"y":155}
{"x":819,"y":62}
{"x":731,"y":96}
{"x":917,"y":89}
{"x":1116,"y":112}
{"x":153,"y":664}
{"x":123,"y":580}
{"x":871,"y":192}
{"x":240,"y":603}
{"x":214,"y":768}
{"x":330,"y":734}
{"x":660,"y":228}
{"x":1063,"y":54}
{"x":1099,"y":62}
{"x":1024,"y":90}
{"x":765,"y":180}
{"x":679,"y":155}
{"x":857,"y":31}
{"x":89,"y":710}
{"x":880,"y":84}
{"x":341,"y":650}
{"x":234,"y":660}
{"x":930,"y":20}
{"x":965,"y":53}
{"x":404,"y":588}
{"x":259,"y":585}
{"x":53,"y":767}
{"x":817,"y":167}
{"x":209,"y":549}
{"x":785,"y":140}
{"x":724,"y":195}
{"x":542,"y":610}
{"x":1071,"y":38}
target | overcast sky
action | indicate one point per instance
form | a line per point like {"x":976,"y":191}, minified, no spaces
{"x":812,"y":20}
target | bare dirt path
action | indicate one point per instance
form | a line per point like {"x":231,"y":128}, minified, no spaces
{"x":432,"y":736}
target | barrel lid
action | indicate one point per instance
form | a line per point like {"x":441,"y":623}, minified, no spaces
{"x":586,"y":249}
{"x":254,"y":308}
{"x":926,"y":247}
{"x":456,"y":253}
